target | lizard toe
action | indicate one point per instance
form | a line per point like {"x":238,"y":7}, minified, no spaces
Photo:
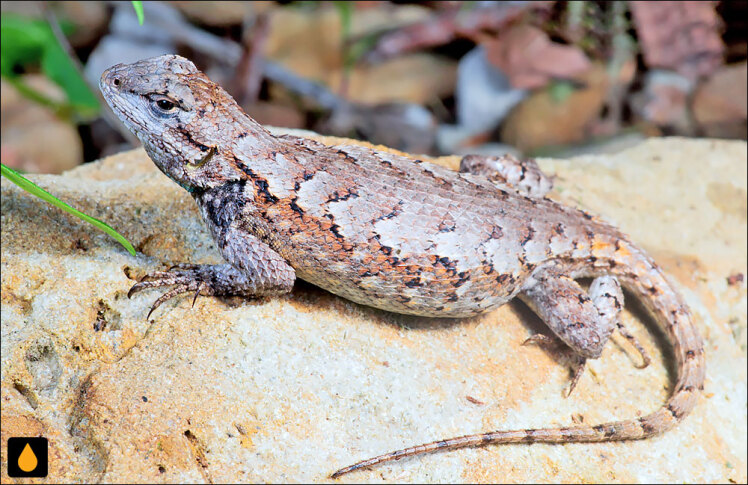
{"x":193,"y":285}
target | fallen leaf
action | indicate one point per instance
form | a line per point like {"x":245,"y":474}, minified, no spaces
{"x":683,"y":36}
{"x":531,"y":60}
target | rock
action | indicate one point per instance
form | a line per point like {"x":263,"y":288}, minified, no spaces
{"x":291,"y":388}
{"x":681,"y":36}
{"x":598,"y":146}
{"x":719,"y":105}
{"x":483,"y":96}
{"x":25,"y":123}
{"x":403,"y":126}
{"x":664,"y":100}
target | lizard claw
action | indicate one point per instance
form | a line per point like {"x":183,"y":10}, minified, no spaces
{"x":179,"y":289}
{"x":200,"y":287}
{"x":578,"y":370}
{"x":540,"y":339}
{"x":187,"y":280}
{"x":547,"y":341}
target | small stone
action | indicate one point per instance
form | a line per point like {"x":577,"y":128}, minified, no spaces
{"x":544,"y":120}
{"x":664,"y":100}
{"x":719,"y":105}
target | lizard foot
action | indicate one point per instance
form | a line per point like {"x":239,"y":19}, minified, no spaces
{"x":542,"y":339}
{"x":558,"y":344}
{"x":186,"y":280}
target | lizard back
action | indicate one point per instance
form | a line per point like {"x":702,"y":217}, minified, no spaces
{"x":402,"y":234}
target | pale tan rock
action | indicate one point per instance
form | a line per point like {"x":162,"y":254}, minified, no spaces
{"x":291,"y":388}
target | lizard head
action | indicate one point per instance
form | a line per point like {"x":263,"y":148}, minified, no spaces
{"x":187,"y":123}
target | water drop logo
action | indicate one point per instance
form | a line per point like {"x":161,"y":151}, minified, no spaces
{"x":27,"y":461}
{"x":27,"y":457}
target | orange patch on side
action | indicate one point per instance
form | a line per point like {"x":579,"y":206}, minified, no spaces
{"x":599,"y":245}
{"x":623,"y":251}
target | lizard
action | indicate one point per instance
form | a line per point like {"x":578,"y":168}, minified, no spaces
{"x":399,"y":234}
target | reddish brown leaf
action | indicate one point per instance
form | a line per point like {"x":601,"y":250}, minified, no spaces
{"x":448,"y":25}
{"x":683,"y":36}
{"x":530,"y":59}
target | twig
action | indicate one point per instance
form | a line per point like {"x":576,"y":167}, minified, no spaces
{"x":249,"y":69}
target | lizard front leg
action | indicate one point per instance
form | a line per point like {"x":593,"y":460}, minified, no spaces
{"x":523,"y":176}
{"x":255,"y":269}
{"x":583,"y":320}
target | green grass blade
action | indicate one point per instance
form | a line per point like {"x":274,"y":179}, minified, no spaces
{"x":30,"y":187}
{"x":138,"y":6}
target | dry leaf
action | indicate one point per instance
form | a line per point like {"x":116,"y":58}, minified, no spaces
{"x":530,"y":59}
{"x":683,"y":36}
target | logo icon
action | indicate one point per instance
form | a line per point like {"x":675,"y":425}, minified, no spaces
{"x":27,"y":457}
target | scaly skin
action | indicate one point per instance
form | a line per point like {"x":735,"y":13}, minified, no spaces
{"x":395,"y":233}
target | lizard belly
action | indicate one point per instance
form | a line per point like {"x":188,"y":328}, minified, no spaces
{"x":414,"y":290}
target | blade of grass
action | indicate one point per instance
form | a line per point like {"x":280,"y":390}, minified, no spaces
{"x":32,"y":188}
{"x":138,"y":6}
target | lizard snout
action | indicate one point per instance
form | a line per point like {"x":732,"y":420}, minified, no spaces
{"x":111,"y":78}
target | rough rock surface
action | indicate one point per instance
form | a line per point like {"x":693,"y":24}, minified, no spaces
{"x":291,"y":388}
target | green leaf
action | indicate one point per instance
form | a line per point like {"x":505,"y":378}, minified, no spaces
{"x":345,"y":10}
{"x":27,"y":41}
{"x":21,"y":42}
{"x":60,"y":68}
{"x":561,"y":90}
{"x":138,"y":6}
{"x":32,"y":188}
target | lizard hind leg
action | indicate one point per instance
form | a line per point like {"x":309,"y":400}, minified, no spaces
{"x":605,"y":292}
{"x":582,"y":320}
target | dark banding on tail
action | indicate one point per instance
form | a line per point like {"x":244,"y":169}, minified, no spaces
{"x":637,"y":272}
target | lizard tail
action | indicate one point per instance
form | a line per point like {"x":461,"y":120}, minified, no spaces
{"x":638,"y":273}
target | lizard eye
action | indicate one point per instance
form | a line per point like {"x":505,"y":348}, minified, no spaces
{"x":163,"y":105}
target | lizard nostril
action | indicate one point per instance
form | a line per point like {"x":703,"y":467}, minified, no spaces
{"x":116,"y":81}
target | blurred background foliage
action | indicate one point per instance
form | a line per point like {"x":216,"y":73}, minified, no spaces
{"x":528,"y":78}
{"x":30,"y":44}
